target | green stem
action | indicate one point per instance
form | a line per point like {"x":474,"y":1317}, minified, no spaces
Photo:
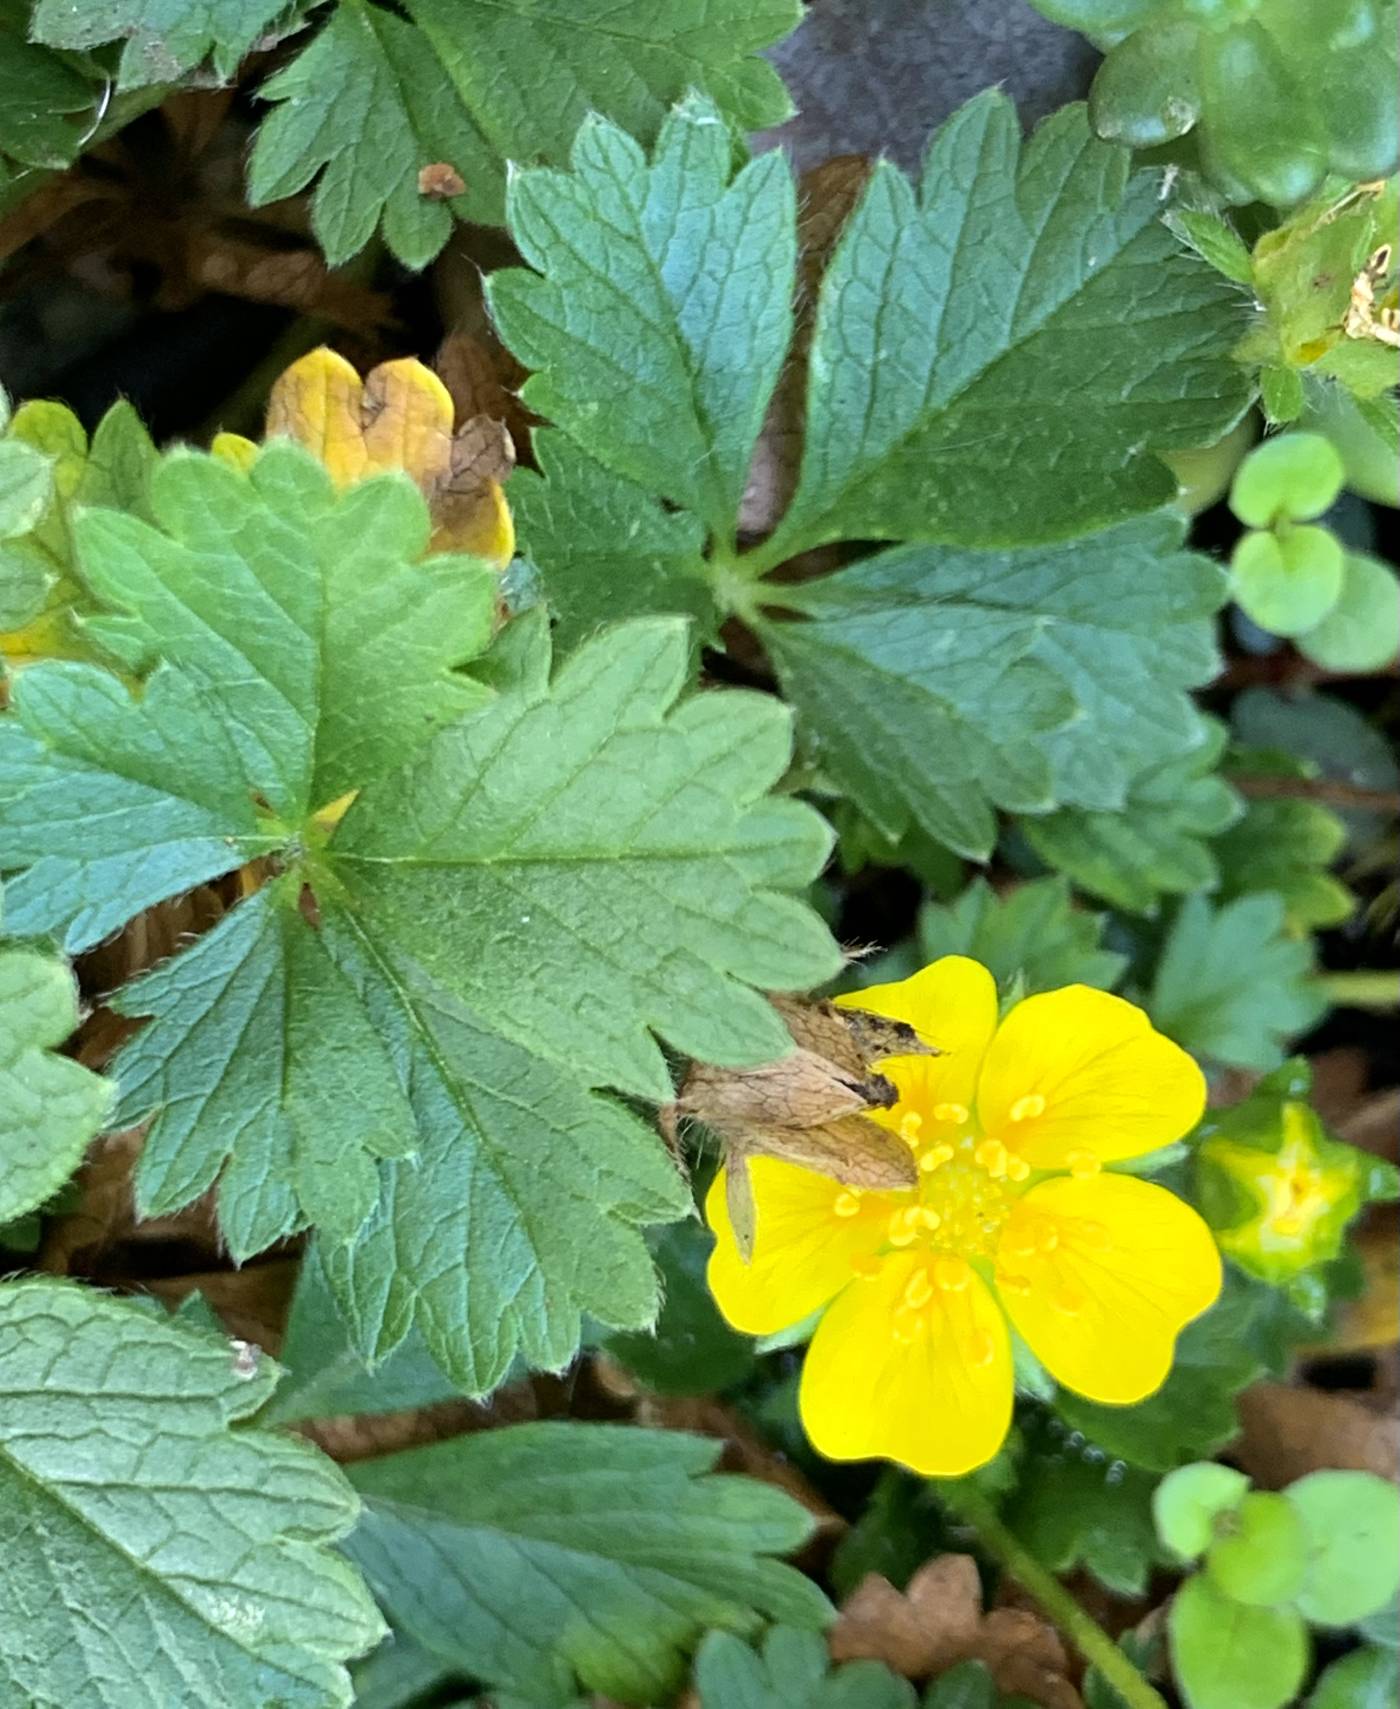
{"x":1087,"y":1636}
{"x":1366,"y":989}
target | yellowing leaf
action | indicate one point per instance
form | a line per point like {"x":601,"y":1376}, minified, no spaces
{"x":232,"y":448}
{"x":399,"y":417}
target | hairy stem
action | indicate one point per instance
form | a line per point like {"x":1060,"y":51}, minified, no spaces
{"x":1087,"y":1636}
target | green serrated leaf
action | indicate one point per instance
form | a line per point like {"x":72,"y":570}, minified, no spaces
{"x":1285,"y":847}
{"x":975,"y":315}
{"x":43,"y":97}
{"x":26,"y":487}
{"x":474,"y":84}
{"x":269,"y":1078}
{"x":661,"y":305}
{"x":548,"y":1557}
{"x":1033,"y":931}
{"x":1160,"y":842}
{"x":1074,"y":1513}
{"x":692,"y":1350}
{"x":601,"y":543}
{"x":791,"y":1672}
{"x":155,"y":1539}
{"x":324,"y":1374}
{"x":656,"y":876}
{"x":163,"y":38}
{"x":938,"y":683}
{"x":505,"y":918}
{"x":50,"y":1106}
{"x":1231,"y":985}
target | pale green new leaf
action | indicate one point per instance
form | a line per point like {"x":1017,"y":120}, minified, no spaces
{"x":158,"y":1549}
{"x":475,"y":84}
{"x":661,"y":306}
{"x":1161,"y":841}
{"x":995,"y":358}
{"x":50,"y":1106}
{"x":600,"y":542}
{"x":1231,"y":985}
{"x":547,"y":1557}
{"x":792,"y":1671}
{"x":937,"y":684}
{"x":162,"y":38}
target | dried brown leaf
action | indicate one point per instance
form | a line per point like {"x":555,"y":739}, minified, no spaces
{"x":251,"y":1303}
{"x":1290,"y":1431}
{"x":938,"y":1622}
{"x":440,"y":181}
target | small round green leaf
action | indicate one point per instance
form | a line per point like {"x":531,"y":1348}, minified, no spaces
{"x":1145,"y":93}
{"x":1366,"y":1679}
{"x":1362,"y":630}
{"x":1188,"y":1502}
{"x":1228,"y":1656}
{"x":1297,"y":475}
{"x":1352,"y":1525}
{"x":1288,"y":583}
{"x":1260,"y":1553}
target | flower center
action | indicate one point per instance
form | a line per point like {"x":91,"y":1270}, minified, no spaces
{"x":967,"y":1186}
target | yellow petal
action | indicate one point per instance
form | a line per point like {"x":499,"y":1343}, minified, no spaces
{"x":478,"y":522}
{"x":952,"y":1004}
{"x":804,"y":1251}
{"x":928,"y":1386}
{"x":232,"y":448}
{"x":1101,"y":1276}
{"x":408,"y":416}
{"x":1079,"y":1070}
{"x":317,"y":402}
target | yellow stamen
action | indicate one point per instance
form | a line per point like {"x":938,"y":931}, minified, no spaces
{"x":934,"y":1157}
{"x":846,"y":1204}
{"x":950,"y":1113}
{"x":909,"y":1125}
{"x":929,"y":1217}
{"x":1017,"y":1168}
{"x":1083,"y":1165}
{"x":903,"y":1226}
{"x":918,"y":1291}
{"x":952,"y":1274}
{"x":992,"y":1156}
{"x":1028,"y":1108}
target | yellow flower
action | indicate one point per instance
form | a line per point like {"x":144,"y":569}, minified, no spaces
{"x":1013,"y":1219}
{"x":399,"y":417}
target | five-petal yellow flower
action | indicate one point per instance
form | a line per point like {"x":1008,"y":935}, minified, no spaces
{"x":1014,"y":1218}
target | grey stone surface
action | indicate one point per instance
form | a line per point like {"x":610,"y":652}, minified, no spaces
{"x":876,"y":76}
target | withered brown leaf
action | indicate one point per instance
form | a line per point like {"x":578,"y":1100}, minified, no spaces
{"x":808,"y":1107}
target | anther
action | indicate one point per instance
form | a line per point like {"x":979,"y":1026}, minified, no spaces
{"x":846,"y":1204}
{"x":1017,"y":1168}
{"x":903,"y":1226}
{"x":950,"y":1113}
{"x":992,"y":1156}
{"x":909,"y":1125}
{"x":918,"y":1290}
{"x":1083,"y":1165}
{"x":951,"y":1274}
{"x":935,"y":1157}
{"x":1028,"y":1108}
